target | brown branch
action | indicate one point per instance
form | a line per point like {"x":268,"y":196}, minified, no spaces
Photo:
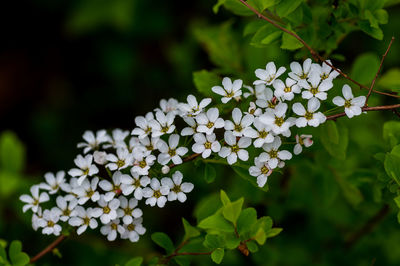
{"x":313,"y":53}
{"x":186,"y":159}
{"x":48,"y":249}
{"x":367,"y":109}
{"x":379,"y":70}
{"x":369,"y":226}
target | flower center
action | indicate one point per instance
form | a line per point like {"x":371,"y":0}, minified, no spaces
{"x":116,"y":189}
{"x":287,"y":89}
{"x":172,"y":152}
{"x":114,"y":226}
{"x":263,"y":134}
{"x":210,"y":124}
{"x":86,"y":172}
{"x":273,"y":153}
{"x":271,"y":104}
{"x":207,"y":145}
{"x":157,"y":194}
{"x":347,"y":104}
{"x":131,"y":227}
{"x":252,"y":111}
{"x":50,"y":224}
{"x":270,"y":78}
{"x":66,"y":212}
{"x":142,"y":164}
{"x":127,"y":211}
{"x":324,"y":76}
{"x":308,"y":115}
{"x":176,"y":189}
{"x":86,"y":220}
{"x":106,"y":209}
{"x":264,"y":170}
{"x":149,"y":147}
{"x":164,"y":129}
{"x":120,"y":163}
{"x":137,"y":183}
{"x":238,"y":128}
{"x":314,"y":90}
{"x":279,"y":121}
{"x":235,"y":148}
{"x":229,"y":94}
{"x":90,"y":193}
{"x":303,"y":75}
{"x":147,"y":130}
{"x":35,"y":202}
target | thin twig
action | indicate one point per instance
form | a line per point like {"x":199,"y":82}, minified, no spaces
{"x":314,"y":53}
{"x":48,"y":249}
{"x":186,"y":159}
{"x":367,"y":109}
{"x":379,"y":70}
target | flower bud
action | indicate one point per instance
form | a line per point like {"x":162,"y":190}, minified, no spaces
{"x":100,"y":157}
{"x":165,"y":169}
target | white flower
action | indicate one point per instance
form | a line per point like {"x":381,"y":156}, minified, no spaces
{"x":298,"y":72}
{"x":93,"y":142}
{"x":65,"y":209}
{"x":135,"y":184}
{"x":34,"y":200}
{"x":168,"y":106}
{"x":83,"y":219}
{"x":257,"y":92}
{"x":69,"y":188}
{"x":302,"y":140}
{"x":121,"y":161}
{"x":262,"y":134}
{"x":261,"y":170}
{"x":36,"y":219}
{"x":163,"y":124}
{"x":267,"y":99}
{"x":315,"y":87}
{"x":118,"y":139}
{"x":191,"y":129}
{"x":170,"y":151}
{"x":230,"y":90}
{"x":253,"y":110}
{"x":86,"y":168}
{"x":100,"y":157}
{"x":144,"y":126}
{"x":53,"y":182}
{"x":276,"y":119}
{"x":88,"y":190}
{"x":142,"y":163}
{"x":150,"y":144}
{"x":133,"y":230}
{"x":165,"y":169}
{"x":273,"y":156}
{"x":325,"y":72}
{"x":113,"y":188}
{"x":352,"y":106}
{"x":240,"y":123}
{"x":309,"y":116}
{"x":286,"y":90}
{"x":208,"y":121}
{"x":110,"y":230}
{"x":205,"y":144}
{"x":108,"y":210}
{"x":192,"y":108}
{"x":177,"y":188}
{"x":236,"y":149}
{"x":49,"y":223}
{"x":156,"y":194}
{"x":269,"y":74}
{"x":127,"y":210}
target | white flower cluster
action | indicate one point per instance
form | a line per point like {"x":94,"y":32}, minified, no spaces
{"x":119,"y":170}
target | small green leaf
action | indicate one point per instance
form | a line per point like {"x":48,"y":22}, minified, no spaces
{"x":335,"y":148}
{"x":12,"y":153}
{"x":289,"y":42}
{"x":209,"y":173}
{"x":224,"y":198}
{"x":260,"y":236}
{"x":204,"y":81}
{"x":216,"y":222}
{"x":163,"y":241}
{"x":231,"y":211}
{"x":246,"y":220}
{"x":17,"y":257}
{"x":286,"y":7}
{"x":365,"y":26}
{"x":273,"y":232}
{"x":190,"y":231}
{"x":231,"y":241}
{"x":3,"y":254}
{"x":214,"y":241}
{"x":217,"y":255}
{"x":333,"y":133}
{"x":397,"y":201}
{"x":392,"y":167}
{"x":365,"y":67}
{"x":135,"y":262}
{"x":391,"y":132}
{"x":252,"y":246}
{"x":390,"y":80}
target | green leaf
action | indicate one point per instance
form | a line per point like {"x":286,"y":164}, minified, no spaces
{"x":333,"y":133}
{"x":334,"y":148}
{"x":214,"y":241}
{"x":391,"y":132}
{"x":382,"y":16}
{"x":231,"y":241}
{"x":252,"y":246}
{"x":163,"y":241}
{"x":273,"y":232}
{"x":17,"y":257}
{"x":390,"y":80}
{"x":231,"y":211}
{"x":135,"y":262}
{"x":352,"y":194}
{"x":12,"y":153}
{"x":209,"y":173}
{"x":235,"y":7}
{"x":3,"y":255}
{"x":247,"y":219}
{"x":265,"y":35}
{"x":224,"y":198}
{"x":365,"y":26}
{"x":289,"y":42}
{"x":365,"y":67}
{"x":253,"y":26}
{"x":260,"y":236}
{"x":216,"y":222}
{"x":190,"y":231}
{"x":397,"y":201}
{"x":207,"y":206}
{"x":392,"y":167}
{"x":284,"y":8}
{"x":204,"y":81}
{"x":217,"y":255}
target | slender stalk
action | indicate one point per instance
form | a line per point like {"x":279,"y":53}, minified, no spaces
{"x":186,"y":159}
{"x":367,"y":109}
{"x":313,"y":53}
{"x":379,"y":70}
{"x":48,"y":249}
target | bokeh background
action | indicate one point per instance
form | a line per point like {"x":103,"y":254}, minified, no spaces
{"x":69,"y":66}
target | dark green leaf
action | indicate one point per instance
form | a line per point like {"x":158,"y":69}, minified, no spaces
{"x":286,"y":7}
{"x":190,"y":231}
{"x":214,"y":241}
{"x":392,"y":167}
{"x":163,"y":241}
{"x":209,"y":173}
{"x":247,"y":219}
{"x":217,"y":255}
{"x":390,"y":80}
{"x":135,"y":262}
{"x":373,"y":32}
{"x":365,"y":67}
{"x":12,"y":153}
{"x":391,"y":132}
{"x":335,"y":149}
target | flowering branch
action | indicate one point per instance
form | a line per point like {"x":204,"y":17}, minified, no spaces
{"x":379,"y":70}
{"x":314,"y":53}
{"x":48,"y":249}
{"x":366,"y":109}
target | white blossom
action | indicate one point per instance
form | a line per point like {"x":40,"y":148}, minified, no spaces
{"x":262,"y":134}
{"x":163,"y":124}
{"x":49,"y":223}
{"x":310,"y":116}
{"x":302,"y":140}
{"x":171,"y":151}
{"x":123,"y":159}
{"x":127,"y":210}
{"x":273,"y":156}
{"x":133,"y":230}
{"x":253,"y":110}
{"x":100,"y":157}
{"x":275,"y":119}
{"x":93,"y":141}
{"x":324,"y":71}
{"x":205,"y":144}
{"x":156,"y":193}
{"x":236,"y":149}
{"x":267,"y":99}
{"x":286,"y":90}
{"x":191,"y":129}
{"x":107,"y":210}
{"x":177,"y":188}
{"x":134,"y":184}
{"x":209,"y":121}
{"x":168,"y":106}
{"x":83,"y":219}
{"x":53,"y":183}
{"x":118,"y":139}
{"x":257,"y":91}
{"x":111,"y":229}
{"x":113,"y":188}
{"x":65,"y":209}
{"x":240,"y":123}
{"x":150,"y":144}
{"x":192,"y":107}
{"x":261,"y":170}
{"x":299,"y":72}
{"x":269,"y":74}
{"x":86,"y":168}
{"x":315,"y":87}
{"x":143,"y":163}
{"x":229,"y":90}
{"x":165,"y":169}
{"x":143,"y":124}
{"x":352,"y":105}
{"x":87,"y":190}
{"x":32,"y":201}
